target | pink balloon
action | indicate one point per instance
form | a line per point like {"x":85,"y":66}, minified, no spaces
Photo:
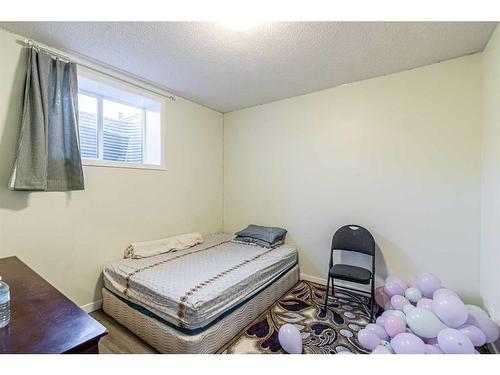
{"x":475,"y":335}
{"x":450,"y":310}
{"x":432,"y":349}
{"x":428,"y":283}
{"x":485,"y":324}
{"x":408,"y":343}
{"x":394,"y":325}
{"x":397,"y":280}
{"x":425,"y":303}
{"x":398,"y":302}
{"x":368,"y":340}
{"x":452,"y":341}
{"x":379,"y":331}
{"x":392,"y":289}
{"x":380,"y":297}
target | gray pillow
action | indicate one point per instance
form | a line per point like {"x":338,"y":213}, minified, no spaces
{"x":267,"y":234}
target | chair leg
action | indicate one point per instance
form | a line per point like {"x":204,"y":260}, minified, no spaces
{"x":372,"y":299}
{"x":326,"y":295}
{"x":333,"y":288}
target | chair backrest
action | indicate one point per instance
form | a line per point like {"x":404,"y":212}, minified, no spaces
{"x":353,"y":238}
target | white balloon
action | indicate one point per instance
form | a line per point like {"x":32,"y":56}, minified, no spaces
{"x":413,"y":295}
{"x":424,"y":323}
{"x":290,"y":339}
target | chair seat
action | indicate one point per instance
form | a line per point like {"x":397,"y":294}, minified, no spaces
{"x":350,"y":273}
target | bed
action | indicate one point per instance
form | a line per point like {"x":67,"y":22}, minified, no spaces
{"x":196,"y":300}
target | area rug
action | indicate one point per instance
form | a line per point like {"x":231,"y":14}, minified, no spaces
{"x":302,"y":306}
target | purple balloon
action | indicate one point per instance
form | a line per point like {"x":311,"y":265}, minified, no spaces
{"x":485,"y":324}
{"x":442,"y":292}
{"x":380,"y":321}
{"x":452,"y":341}
{"x":381,"y":349}
{"x":428,"y":283}
{"x":392,"y":289}
{"x":388,"y":307}
{"x":425,"y":303}
{"x":450,"y":310}
{"x":432,"y":349}
{"x":379,"y":331}
{"x":290,"y":339}
{"x":408,"y":343}
{"x":368,"y":340}
{"x":475,"y":335}
{"x":398,"y":302}
{"x":394,"y":325}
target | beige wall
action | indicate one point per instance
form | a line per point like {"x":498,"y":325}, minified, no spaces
{"x":399,"y":154}
{"x":490,"y":223}
{"x":68,"y":238}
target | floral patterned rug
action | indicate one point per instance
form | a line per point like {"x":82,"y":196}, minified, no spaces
{"x":303,"y":307}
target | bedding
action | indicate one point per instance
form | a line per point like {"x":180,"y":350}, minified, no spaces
{"x":191,"y":288}
{"x":165,"y":245}
{"x":262,"y":236}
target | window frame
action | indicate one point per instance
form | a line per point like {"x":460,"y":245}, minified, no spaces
{"x":132,"y":88}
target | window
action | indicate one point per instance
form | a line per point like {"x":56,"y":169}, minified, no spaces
{"x":120,"y":125}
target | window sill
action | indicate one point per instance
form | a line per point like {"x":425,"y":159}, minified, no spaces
{"x":112,"y":164}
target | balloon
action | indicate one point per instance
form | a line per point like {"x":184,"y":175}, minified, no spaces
{"x":413,"y":295}
{"x":485,"y":324}
{"x":388,"y":306}
{"x":452,"y":341}
{"x":475,"y":335}
{"x":443,"y":291}
{"x":398,"y":302}
{"x":424,"y":323}
{"x":408,"y":343}
{"x":387,"y":345}
{"x":397,"y":280}
{"x":412,"y":283}
{"x":401,"y":315}
{"x":381,"y":349}
{"x":379,"y":331}
{"x":393,"y":289}
{"x":290,"y":339}
{"x":380,"y":297}
{"x":432,"y":349}
{"x":450,"y":310}
{"x":407,"y":308}
{"x":471,"y":308}
{"x":368,"y":340}
{"x":428,"y":283}
{"x":394,"y":325}
{"x":425,"y":303}
{"x":380,"y":321}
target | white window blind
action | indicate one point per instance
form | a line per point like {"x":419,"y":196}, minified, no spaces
{"x":118,"y":127}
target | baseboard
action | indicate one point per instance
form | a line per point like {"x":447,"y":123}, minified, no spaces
{"x":319,"y":280}
{"x":92,"y":306}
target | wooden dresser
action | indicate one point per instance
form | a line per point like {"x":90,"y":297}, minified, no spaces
{"x":42,"y":319}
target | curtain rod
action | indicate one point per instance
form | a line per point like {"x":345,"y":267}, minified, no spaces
{"x":37,"y":46}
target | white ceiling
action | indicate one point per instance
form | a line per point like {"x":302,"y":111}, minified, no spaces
{"x":228,"y":70}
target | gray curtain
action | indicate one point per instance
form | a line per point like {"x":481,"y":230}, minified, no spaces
{"x":48,"y":152}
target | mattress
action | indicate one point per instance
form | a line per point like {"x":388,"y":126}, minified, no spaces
{"x":167,"y":339}
{"x":192,"y":288}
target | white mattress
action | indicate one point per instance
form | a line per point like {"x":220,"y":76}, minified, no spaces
{"x":193,"y":287}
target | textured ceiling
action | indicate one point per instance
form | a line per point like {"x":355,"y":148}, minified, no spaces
{"x":228,"y":70}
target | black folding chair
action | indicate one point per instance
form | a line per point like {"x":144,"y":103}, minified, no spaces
{"x":355,"y":239}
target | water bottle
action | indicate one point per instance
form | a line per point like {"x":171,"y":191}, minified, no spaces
{"x":4,"y":304}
